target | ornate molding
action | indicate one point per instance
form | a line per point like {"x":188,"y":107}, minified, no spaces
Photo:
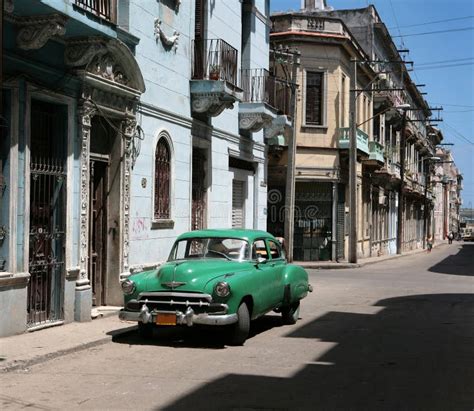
{"x":81,"y":52}
{"x":8,"y":6}
{"x":210,"y":103}
{"x":254,"y":122}
{"x":85,"y":113}
{"x":36,"y":31}
{"x":168,"y":41}
{"x":109,"y":99}
{"x":109,"y":59}
{"x":129,"y":126}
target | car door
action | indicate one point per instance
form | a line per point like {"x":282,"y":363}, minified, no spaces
{"x":278,"y":264}
{"x":266,"y":281}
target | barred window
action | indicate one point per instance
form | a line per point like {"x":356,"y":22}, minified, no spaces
{"x":314,"y":98}
{"x":162,"y":180}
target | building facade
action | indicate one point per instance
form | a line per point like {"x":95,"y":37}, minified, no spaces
{"x":125,"y":123}
{"x":447,"y":187}
{"x":326,"y":48}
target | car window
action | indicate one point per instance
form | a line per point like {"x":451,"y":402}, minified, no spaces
{"x":275,"y":249}
{"x":259,"y":250}
{"x":213,"y":247}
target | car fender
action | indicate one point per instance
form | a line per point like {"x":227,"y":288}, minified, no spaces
{"x":295,"y":279}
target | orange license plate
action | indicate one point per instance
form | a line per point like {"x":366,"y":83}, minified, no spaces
{"x":166,"y":319}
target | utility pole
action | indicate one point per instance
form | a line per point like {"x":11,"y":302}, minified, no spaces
{"x":289,"y":224}
{"x":402,"y":185}
{"x":353,"y":165}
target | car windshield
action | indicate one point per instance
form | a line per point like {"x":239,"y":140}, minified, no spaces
{"x":211,"y":247}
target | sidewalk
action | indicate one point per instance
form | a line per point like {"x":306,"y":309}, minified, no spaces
{"x":328,"y":265}
{"x":21,"y":351}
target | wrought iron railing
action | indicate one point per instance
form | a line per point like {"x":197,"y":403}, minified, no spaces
{"x":261,"y":87}
{"x":280,"y":95}
{"x":214,"y":59}
{"x":104,"y":9}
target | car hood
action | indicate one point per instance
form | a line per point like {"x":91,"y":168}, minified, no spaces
{"x":193,"y":275}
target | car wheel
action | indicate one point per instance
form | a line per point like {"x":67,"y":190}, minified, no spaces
{"x":291,"y":314}
{"x":240,"y":330}
{"x":145,"y":330}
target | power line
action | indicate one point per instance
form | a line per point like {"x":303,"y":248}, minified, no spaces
{"x":445,"y":66}
{"x":458,"y":133}
{"x":459,"y":111}
{"x":434,"y":32}
{"x":444,"y":61}
{"x":453,"y":105}
{"x":433,"y":22}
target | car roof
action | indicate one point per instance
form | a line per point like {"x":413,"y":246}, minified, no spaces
{"x":249,"y":235}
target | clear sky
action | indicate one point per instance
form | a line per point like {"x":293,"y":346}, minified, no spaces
{"x":443,"y":61}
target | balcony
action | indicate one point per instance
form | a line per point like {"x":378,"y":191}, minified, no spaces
{"x":103,"y":9}
{"x":265,"y":97}
{"x":362,"y":140}
{"x":255,"y":110}
{"x":215,"y":83}
{"x":376,"y":152}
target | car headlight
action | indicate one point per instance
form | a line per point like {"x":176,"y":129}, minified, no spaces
{"x":128,"y":287}
{"x":222,"y":289}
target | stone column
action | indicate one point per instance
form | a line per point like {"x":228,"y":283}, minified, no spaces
{"x":83,"y":294}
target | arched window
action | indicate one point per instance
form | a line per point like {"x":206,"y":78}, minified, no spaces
{"x":162,"y":180}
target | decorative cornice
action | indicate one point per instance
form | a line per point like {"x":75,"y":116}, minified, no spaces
{"x":168,"y":41}
{"x":36,"y":31}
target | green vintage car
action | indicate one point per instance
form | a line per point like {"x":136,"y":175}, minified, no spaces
{"x":219,"y":278}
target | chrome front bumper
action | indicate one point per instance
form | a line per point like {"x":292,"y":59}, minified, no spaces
{"x":188,"y":318}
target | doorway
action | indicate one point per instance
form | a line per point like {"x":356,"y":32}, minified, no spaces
{"x":98,"y":229}
{"x":48,"y":143}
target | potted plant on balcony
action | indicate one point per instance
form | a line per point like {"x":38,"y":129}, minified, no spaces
{"x":214,"y":71}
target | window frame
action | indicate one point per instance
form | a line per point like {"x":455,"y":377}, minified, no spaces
{"x":323,"y":72}
{"x":163,"y":223}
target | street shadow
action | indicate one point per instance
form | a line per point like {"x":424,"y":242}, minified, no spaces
{"x":416,"y":353}
{"x":461,"y":263}
{"x":192,"y":337}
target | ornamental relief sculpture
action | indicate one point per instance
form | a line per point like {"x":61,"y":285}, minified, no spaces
{"x":168,"y":41}
{"x":35,"y":32}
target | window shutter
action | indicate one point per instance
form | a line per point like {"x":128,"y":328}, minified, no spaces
{"x":314,"y":98}
{"x":199,"y":19}
{"x":237,"y":204}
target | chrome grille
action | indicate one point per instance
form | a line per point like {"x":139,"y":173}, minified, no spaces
{"x":172,"y":301}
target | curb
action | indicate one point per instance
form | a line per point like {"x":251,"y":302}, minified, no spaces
{"x":21,"y":364}
{"x":364,"y":263}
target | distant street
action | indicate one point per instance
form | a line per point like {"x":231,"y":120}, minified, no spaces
{"x":397,"y":335}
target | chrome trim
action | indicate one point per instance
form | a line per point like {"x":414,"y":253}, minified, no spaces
{"x":188,"y":318}
{"x":173,"y":294}
{"x":172,"y":302}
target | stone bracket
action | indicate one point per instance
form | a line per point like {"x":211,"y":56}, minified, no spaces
{"x":212,"y":104}
{"x":36,"y":31}
{"x":254,"y":122}
{"x":277,"y":127}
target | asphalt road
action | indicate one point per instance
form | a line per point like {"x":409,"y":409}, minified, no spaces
{"x":397,"y":335}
